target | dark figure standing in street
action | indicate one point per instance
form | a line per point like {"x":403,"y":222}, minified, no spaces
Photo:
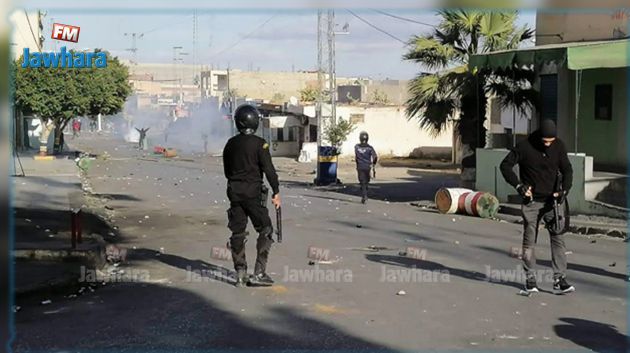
{"x":540,"y":158}
{"x":245,"y":158}
{"x":366,"y":157}
{"x":143,"y":135}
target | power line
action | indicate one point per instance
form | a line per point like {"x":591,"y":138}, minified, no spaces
{"x":403,"y":18}
{"x":168,"y":26}
{"x":244,"y":37}
{"x":376,"y":28}
{"x":32,"y":33}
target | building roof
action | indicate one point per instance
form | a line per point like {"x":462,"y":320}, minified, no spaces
{"x":577,"y":55}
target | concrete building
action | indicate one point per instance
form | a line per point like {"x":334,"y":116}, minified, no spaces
{"x":391,"y":133}
{"x":27,"y":32}
{"x":555,"y":27}
{"x":582,"y":67}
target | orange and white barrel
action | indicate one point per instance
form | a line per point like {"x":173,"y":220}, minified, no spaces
{"x":478,"y":204}
{"x":447,"y":199}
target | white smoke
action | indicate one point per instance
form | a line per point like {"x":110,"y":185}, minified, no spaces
{"x":184,"y":134}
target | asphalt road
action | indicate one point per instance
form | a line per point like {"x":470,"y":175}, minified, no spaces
{"x":174,"y":296}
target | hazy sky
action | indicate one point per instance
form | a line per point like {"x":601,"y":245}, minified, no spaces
{"x":272,"y":39}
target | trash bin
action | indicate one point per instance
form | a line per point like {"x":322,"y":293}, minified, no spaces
{"x":327,"y":166}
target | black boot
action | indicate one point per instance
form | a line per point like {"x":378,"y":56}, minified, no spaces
{"x":263,"y":246}
{"x":237,"y":246}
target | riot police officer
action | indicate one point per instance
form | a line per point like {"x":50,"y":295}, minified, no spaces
{"x":366,"y":157}
{"x":245,"y":158}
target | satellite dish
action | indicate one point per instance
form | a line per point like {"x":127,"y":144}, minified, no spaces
{"x":293,"y":100}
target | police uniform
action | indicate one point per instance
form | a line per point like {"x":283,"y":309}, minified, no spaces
{"x":365,"y":157}
{"x":245,"y":158}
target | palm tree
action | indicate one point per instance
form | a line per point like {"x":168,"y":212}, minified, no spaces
{"x":434,"y":98}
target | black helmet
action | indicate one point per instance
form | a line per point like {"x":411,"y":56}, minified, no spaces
{"x":246,"y":118}
{"x":363,"y":137}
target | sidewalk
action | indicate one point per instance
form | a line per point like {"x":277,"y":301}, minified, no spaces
{"x":41,"y":202}
{"x":403,"y":180}
{"x":580,"y":224}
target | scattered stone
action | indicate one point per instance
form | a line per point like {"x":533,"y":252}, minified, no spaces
{"x":593,"y":241}
{"x":359,"y":226}
{"x":146,"y":217}
{"x":613,"y":264}
{"x":114,"y":254}
{"x":16,"y":308}
{"x":46,"y":302}
{"x":401,"y":292}
{"x":568,"y":252}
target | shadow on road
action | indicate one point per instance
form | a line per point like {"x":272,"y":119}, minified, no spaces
{"x":595,"y":336}
{"x":141,"y":317}
{"x":117,"y":197}
{"x":434,"y":266}
{"x":31,"y":224}
{"x":197,"y":267}
{"x":570,"y":266}
{"x":407,"y":234}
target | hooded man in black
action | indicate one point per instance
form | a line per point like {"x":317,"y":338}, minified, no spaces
{"x":540,"y":158}
{"x":245,"y":158}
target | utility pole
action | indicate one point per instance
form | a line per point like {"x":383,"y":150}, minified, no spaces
{"x":175,"y":73}
{"x":320,"y":89}
{"x":134,"y":47}
{"x":181,"y":79}
{"x":231,"y":103}
{"x":330,"y":34}
{"x":326,"y":67}
{"x":194,"y":45}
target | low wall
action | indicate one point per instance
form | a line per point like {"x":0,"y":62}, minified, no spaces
{"x":490,"y":179}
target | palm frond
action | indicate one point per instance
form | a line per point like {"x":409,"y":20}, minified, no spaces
{"x":431,"y":53}
{"x":432,"y":101}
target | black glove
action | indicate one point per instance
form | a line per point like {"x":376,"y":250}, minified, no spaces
{"x":522,"y":190}
{"x":562,"y":196}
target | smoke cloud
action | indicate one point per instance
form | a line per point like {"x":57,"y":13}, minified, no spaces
{"x":205,"y":122}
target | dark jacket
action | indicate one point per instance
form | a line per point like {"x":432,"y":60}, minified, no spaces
{"x":245,"y":159}
{"x":365,"y":156}
{"x":538,"y":166}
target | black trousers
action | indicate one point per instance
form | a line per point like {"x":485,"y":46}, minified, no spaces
{"x":364,"y":180}
{"x":256,"y":211}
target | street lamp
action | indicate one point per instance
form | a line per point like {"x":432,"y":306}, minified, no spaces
{"x":181,"y":89}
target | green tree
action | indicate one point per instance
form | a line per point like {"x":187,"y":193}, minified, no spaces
{"x":54,"y":95}
{"x":434,"y":98}
{"x":57,"y":95}
{"x":379,"y":97}
{"x":107,"y":88}
{"x":309,"y":94}
{"x":338,"y":133}
{"x":277,"y":98}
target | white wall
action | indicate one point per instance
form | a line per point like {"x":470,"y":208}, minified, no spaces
{"x":390,"y":131}
{"x":522,"y":121}
{"x":22,"y":37}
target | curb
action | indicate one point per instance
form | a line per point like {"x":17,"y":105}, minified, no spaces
{"x":513,"y":215}
{"x":92,"y":257}
{"x":582,"y":228}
